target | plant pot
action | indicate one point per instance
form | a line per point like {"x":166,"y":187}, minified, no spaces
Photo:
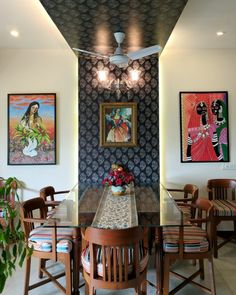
{"x":118,"y":190}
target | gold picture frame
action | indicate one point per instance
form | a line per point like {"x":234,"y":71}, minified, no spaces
{"x":118,"y":124}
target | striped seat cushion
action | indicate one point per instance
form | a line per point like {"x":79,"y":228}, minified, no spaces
{"x":40,"y":239}
{"x":85,"y":259}
{"x":186,"y":211}
{"x":224,"y":208}
{"x":195,"y":239}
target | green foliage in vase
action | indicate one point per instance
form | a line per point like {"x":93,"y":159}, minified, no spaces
{"x":13,"y":248}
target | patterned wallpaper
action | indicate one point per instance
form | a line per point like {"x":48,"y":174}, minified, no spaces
{"x":143,"y":160}
{"x":90,"y":24}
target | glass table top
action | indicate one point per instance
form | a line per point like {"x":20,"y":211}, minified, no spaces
{"x":82,"y":209}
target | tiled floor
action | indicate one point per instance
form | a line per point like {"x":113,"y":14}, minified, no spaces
{"x":225,"y":276}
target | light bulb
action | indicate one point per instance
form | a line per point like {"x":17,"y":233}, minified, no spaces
{"x":102,"y":75}
{"x":134,"y":75}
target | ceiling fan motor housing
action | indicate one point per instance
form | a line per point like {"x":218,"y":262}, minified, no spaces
{"x":119,"y":60}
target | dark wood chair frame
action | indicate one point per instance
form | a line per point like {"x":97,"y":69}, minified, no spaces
{"x":115,"y":273}
{"x":48,"y":194}
{"x":201,"y":206}
{"x":28,"y":223}
{"x":221,"y":189}
{"x":190,"y":196}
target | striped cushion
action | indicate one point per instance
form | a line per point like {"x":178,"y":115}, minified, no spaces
{"x":224,"y":208}
{"x":85,"y":259}
{"x":186,"y":211}
{"x":40,"y":239}
{"x":195,"y":239}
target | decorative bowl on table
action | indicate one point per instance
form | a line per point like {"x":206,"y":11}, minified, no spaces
{"x":118,"y":179}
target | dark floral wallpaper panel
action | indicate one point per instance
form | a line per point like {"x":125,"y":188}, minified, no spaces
{"x":143,"y":160}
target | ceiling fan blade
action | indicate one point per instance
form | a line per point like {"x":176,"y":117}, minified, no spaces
{"x":91,"y":53}
{"x":144,"y":52}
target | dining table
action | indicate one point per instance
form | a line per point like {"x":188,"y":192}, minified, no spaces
{"x":140,"y":205}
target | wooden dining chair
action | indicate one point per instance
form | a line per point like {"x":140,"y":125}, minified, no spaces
{"x":47,"y":244}
{"x":48,"y":194}
{"x":189,"y":195}
{"x":189,"y":242}
{"x":221,"y":193}
{"x":115,"y":259}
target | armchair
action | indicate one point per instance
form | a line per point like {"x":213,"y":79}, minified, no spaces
{"x":221,"y":193}
{"x":115,"y":259}
{"x":189,"y":242}
{"x":47,"y":243}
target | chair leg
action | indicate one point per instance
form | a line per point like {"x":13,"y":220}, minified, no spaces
{"x":27,"y":274}
{"x":86,"y":289}
{"x":166,"y":275}
{"x":159,"y":261}
{"x":144,"y":286}
{"x":212,"y":277}
{"x":201,"y":267}
{"x":68,"y":275}
{"x":214,"y":237}
{"x":42,"y":264}
{"x":91,"y":290}
{"x":138,"y":291}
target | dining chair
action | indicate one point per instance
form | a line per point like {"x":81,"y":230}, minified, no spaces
{"x":221,"y":193}
{"x":115,"y":259}
{"x":47,"y":244}
{"x":189,"y":242}
{"x":48,"y":194}
{"x":189,"y":194}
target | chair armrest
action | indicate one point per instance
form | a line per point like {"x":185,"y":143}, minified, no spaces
{"x":32,"y":220}
{"x":199,"y":220}
{"x":52,"y":203}
{"x":174,"y":190}
{"x":184,"y":199}
{"x":61,"y":192}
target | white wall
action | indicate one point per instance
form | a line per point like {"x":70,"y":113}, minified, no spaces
{"x":43,"y":71}
{"x":193,"y":70}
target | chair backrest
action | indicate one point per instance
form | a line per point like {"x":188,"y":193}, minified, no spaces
{"x":221,"y":189}
{"x":118,"y":250}
{"x":48,"y":193}
{"x":191,"y":191}
{"x":29,"y":209}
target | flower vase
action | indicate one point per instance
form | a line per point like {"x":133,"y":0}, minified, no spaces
{"x":118,"y":190}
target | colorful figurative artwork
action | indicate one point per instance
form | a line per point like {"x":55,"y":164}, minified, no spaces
{"x":32,"y":129}
{"x":204,"y":126}
{"x":118,"y":124}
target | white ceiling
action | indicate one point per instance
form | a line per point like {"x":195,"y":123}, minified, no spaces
{"x":36,"y":29}
{"x":199,"y":22}
{"x":196,"y":28}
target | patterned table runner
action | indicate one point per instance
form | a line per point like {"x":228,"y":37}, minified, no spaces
{"x":116,"y":212}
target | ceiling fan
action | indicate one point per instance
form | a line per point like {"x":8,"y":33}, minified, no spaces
{"x":119,"y":58}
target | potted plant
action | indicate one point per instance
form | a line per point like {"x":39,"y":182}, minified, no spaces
{"x":13,"y":248}
{"x":118,"y":179}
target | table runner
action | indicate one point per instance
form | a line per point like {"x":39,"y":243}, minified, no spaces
{"x":116,"y":212}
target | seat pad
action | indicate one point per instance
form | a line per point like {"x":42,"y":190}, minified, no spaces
{"x":195,"y":239}
{"x":85,"y":259}
{"x":40,"y":239}
{"x":224,"y":208}
{"x":185,"y":209}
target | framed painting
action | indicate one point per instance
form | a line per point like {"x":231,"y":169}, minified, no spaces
{"x":204,"y":126}
{"x":118,"y":124}
{"x":32,"y":129}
